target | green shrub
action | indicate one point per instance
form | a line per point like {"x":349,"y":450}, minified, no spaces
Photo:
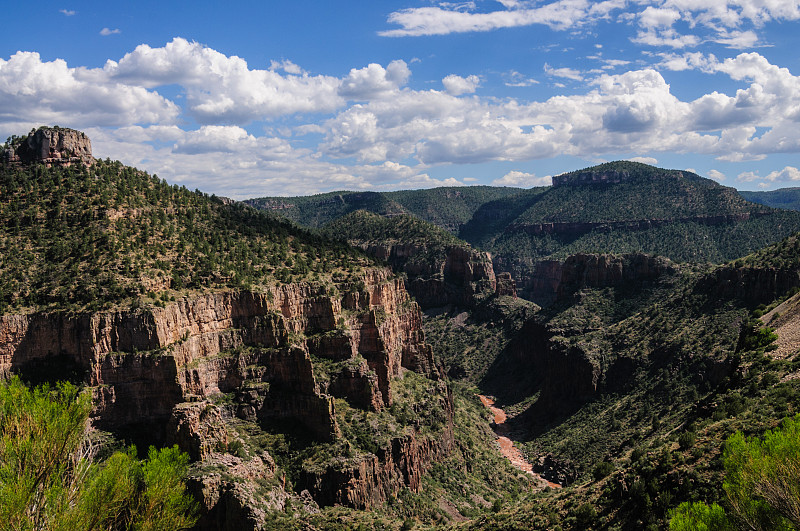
{"x":686,"y":440}
{"x":602,"y":470}
{"x":762,"y":484}
{"x":48,"y":482}
{"x":699,"y":517}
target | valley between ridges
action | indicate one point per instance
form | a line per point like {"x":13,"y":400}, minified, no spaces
{"x":507,"y":448}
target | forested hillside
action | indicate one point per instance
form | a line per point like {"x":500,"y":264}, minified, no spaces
{"x":788,"y":198}
{"x":77,"y":237}
{"x":283,"y":363}
{"x":447,"y":207}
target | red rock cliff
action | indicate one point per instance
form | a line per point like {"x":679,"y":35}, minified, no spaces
{"x":459,"y":276}
{"x":145,"y":365}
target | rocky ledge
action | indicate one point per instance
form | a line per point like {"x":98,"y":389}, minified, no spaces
{"x":551,"y":280}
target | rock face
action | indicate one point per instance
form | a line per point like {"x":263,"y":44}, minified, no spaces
{"x":52,"y":146}
{"x":552,"y":279}
{"x":563,"y":373}
{"x":370,"y":480}
{"x":608,"y":176}
{"x":460,"y":277}
{"x":153,"y":370}
{"x":753,"y":285}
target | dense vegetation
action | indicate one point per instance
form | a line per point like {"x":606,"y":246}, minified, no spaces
{"x":367,"y":227}
{"x":682,"y":241}
{"x":681,"y":366}
{"x":447,"y":207}
{"x":426,"y":245}
{"x":52,"y":476}
{"x":469,"y":342}
{"x":675,"y":214}
{"x":89,"y":238}
{"x":650,"y":193}
{"x":781,"y":255}
{"x":788,"y":198}
{"x":762,"y":484}
{"x":317,"y":210}
{"x":450,"y":207}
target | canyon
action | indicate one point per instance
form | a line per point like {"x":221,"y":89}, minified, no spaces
{"x":157,"y":374}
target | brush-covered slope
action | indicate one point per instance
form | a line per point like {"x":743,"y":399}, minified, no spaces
{"x":787,"y":198}
{"x":317,"y":210}
{"x":92,"y":238}
{"x":368,"y":227}
{"x":628,"y":394}
{"x":447,"y":207}
{"x":632,"y":191}
{"x":450,"y":207}
{"x":626,"y":207}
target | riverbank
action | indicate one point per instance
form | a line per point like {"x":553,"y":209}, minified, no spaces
{"x":507,"y":448}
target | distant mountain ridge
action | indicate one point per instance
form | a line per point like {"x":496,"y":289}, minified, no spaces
{"x":614,"y":173}
{"x":788,"y":198}
{"x":618,"y":207}
{"x":447,"y":207}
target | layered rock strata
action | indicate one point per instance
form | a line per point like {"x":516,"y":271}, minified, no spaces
{"x":576,"y":228}
{"x":154,"y":369}
{"x":460,"y":277}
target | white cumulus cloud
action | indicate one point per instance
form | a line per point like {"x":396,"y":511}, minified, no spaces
{"x":457,"y":85}
{"x":374,"y":81}
{"x":223,"y":89}
{"x":789,"y":173}
{"x":48,"y":92}
{"x":522,"y":179}
{"x":644,"y":160}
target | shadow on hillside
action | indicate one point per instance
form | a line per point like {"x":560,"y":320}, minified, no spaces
{"x":50,"y":370}
{"x":554,"y":384}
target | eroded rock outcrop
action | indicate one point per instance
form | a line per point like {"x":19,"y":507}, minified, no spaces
{"x":51,"y":146}
{"x":754,"y":285}
{"x":458,"y":276}
{"x":552,"y":279}
{"x":154,"y":370}
{"x":372,"y":479}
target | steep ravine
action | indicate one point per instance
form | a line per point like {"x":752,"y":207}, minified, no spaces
{"x":507,"y":448}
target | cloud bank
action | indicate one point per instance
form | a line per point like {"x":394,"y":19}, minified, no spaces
{"x":244,"y":131}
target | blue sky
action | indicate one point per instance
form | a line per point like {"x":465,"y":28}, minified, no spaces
{"x":287,"y":98}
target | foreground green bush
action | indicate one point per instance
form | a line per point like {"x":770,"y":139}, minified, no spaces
{"x":762,"y":484}
{"x":50,"y":481}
